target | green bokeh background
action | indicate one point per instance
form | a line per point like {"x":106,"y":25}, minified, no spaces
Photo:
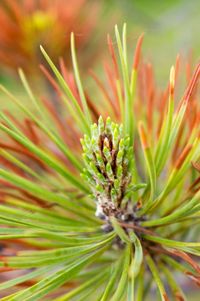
{"x":170,"y":26}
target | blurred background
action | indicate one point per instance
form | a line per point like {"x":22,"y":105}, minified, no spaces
{"x":170,"y":27}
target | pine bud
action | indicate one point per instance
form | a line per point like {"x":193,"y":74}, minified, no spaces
{"x":108,"y":159}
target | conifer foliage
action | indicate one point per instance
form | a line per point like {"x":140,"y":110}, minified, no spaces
{"x":108,"y":219}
